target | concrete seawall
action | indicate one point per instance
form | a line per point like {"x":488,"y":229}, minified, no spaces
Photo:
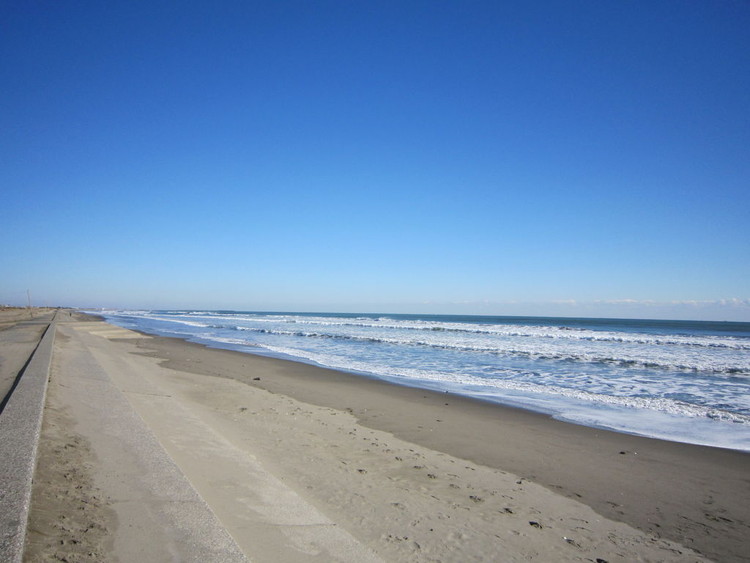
{"x":20,"y":424}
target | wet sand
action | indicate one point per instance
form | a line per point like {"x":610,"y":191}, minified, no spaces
{"x":303,"y":463}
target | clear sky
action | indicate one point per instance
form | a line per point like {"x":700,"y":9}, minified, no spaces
{"x":564,"y":158}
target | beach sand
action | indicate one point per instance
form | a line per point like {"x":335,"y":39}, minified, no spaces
{"x":302,"y":463}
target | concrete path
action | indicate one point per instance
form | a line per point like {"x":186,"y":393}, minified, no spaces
{"x":160,"y":516}
{"x":179,"y":489}
{"x":268,"y":519}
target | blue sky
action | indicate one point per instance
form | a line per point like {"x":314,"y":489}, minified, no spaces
{"x":561,"y":158}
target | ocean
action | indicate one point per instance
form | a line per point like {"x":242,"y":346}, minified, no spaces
{"x":685,"y":381}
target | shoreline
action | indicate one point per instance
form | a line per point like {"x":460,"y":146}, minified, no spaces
{"x":693,"y":494}
{"x":598,"y":396}
{"x":499,"y":402}
{"x":400,"y":472}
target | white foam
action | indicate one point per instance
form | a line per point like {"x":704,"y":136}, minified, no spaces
{"x":651,"y":417}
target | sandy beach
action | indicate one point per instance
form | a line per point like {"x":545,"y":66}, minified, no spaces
{"x":283,"y":461}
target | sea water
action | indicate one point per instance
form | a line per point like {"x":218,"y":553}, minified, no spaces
{"x":677,"y":380}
